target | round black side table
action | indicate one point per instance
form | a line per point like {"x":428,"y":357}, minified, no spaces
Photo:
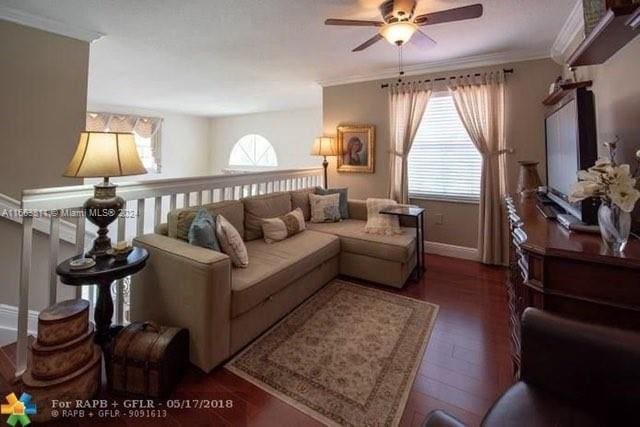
{"x":103,"y":274}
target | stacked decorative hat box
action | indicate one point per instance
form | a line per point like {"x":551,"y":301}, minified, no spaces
{"x":65,"y":364}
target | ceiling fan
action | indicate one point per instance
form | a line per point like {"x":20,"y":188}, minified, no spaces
{"x":399,"y":25}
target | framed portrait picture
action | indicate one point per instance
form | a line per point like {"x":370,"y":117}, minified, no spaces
{"x":356,"y":144}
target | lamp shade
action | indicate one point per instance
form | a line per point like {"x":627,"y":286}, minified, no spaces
{"x":324,"y":146}
{"x":105,"y":154}
{"x":398,"y":33}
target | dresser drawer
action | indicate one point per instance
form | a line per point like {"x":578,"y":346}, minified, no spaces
{"x":536,"y":269}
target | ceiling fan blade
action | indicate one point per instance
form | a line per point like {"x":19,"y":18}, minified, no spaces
{"x":450,"y":15}
{"x":353,"y":23}
{"x":422,"y":40}
{"x":368,"y":43}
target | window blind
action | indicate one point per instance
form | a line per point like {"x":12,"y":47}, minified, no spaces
{"x":443,"y":162}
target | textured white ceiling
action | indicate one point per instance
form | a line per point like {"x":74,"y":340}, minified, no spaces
{"x":221,"y":57}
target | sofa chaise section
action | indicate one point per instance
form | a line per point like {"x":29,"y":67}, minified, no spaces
{"x":386,"y":259}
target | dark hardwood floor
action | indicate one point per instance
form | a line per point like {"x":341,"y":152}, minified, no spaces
{"x":466,"y":365}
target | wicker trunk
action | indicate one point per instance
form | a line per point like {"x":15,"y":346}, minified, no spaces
{"x":148,"y":360}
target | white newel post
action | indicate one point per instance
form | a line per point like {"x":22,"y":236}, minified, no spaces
{"x":23,"y":303}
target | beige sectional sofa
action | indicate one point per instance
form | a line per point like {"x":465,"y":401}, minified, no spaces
{"x":225,"y":307}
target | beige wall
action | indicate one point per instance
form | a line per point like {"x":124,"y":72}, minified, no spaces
{"x":43,"y":87}
{"x":43,"y":95}
{"x":616,"y":88}
{"x":367,"y":103}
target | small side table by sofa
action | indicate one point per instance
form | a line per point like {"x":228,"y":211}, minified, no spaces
{"x":103,"y":274}
{"x":418,"y":215}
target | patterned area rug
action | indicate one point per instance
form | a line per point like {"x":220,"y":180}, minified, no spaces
{"x":347,"y":356}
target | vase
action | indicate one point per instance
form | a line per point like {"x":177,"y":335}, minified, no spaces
{"x":528,"y":179}
{"x":615,"y":226}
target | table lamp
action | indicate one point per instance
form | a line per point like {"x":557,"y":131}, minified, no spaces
{"x":324,"y":146}
{"x":103,"y":155}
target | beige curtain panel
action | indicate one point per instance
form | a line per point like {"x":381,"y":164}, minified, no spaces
{"x":407,"y":104}
{"x":480,"y":103}
{"x":145,"y":127}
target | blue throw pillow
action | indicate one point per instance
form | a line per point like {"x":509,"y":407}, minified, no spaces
{"x":202,"y":231}
{"x":344,"y":204}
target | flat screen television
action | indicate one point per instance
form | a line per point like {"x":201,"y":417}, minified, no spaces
{"x":571,"y":143}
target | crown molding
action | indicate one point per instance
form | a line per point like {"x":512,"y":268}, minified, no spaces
{"x":572,"y":27}
{"x":442,"y":66}
{"x":50,"y":25}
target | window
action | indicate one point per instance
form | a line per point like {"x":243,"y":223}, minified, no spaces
{"x":443,"y":162}
{"x":253,"y":150}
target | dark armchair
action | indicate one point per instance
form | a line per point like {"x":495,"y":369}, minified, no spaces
{"x":572,"y":374}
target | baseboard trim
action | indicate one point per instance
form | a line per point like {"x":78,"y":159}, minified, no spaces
{"x":9,"y":319}
{"x":445,"y":249}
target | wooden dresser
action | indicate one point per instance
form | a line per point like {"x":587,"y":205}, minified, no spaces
{"x":568,"y":273}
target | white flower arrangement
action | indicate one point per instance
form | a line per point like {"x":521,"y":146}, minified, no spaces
{"x":614,"y":184}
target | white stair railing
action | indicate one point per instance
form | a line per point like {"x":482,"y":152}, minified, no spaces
{"x":164,"y":195}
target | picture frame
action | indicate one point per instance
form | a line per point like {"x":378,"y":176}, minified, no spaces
{"x":356,"y":145}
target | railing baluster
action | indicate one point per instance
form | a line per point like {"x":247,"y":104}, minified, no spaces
{"x":54,"y":246}
{"x":23,"y":302}
{"x":199,"y":198}
{"x":172,"y":202}
{"x":157,"y":214}
{"x":120,"y":283}
{"x":211,"y":195}
{"x":140,"y":218}
{"x":186,"y":197}
{"x":80,"y":236}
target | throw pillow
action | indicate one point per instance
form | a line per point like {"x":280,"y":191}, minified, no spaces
{"x":202,"y":231}
{"x":378,"y":223}
{"x":179,"y":220}
{"x":276,"y":229}
{"x":231,"y":242}
{"x":325,"y":208}
{"x":344,"y":199}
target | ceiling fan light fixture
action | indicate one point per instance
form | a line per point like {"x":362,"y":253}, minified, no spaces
{"x":398,"y":33}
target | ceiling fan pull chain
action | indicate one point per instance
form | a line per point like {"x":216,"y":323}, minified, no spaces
{"x":400,"y":72}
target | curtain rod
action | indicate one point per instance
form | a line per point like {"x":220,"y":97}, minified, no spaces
{"x":440,"y":79}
